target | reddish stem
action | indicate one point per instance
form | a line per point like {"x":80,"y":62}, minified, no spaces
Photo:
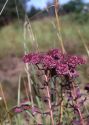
{"x":49,"y":101}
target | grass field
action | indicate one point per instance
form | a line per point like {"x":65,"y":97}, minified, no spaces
{"x":11,"y":36}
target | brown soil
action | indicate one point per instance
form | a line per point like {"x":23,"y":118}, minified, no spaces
{"x":10,"y":69}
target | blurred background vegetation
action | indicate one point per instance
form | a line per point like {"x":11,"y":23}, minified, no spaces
{"x":74,"y":15}
{"x":74,"y":25}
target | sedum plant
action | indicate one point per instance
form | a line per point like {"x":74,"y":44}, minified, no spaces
{"x":63,"y":102}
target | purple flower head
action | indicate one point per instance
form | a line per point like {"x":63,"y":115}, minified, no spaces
{"x":81,"y":60}
{"x":72,"y":73}
{"x":62,"y":69}
{"x":35,"y":110}
{"x":26,"y":107}
{"x":55,"y":53}
{"x":35,"y":58}
{"x":55,"y":61}
{"x":75,"y":60}
{"x":27,"y":58}
{"x":18,"y":110}
{"x":48,"y":62}
{"x":32,"y":58}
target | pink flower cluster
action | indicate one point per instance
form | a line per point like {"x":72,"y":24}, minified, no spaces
{"x":56,"y":61}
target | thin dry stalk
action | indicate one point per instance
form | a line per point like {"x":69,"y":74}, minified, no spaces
{"x":3,"y":7}
{"x":82,"y":39}
{"x":5,"y":102}
{"x":29,"y":84}
{"x":27,"y":67}
{"x":26,"y":91}
{"x":56,"y":3}
{"x":29,"y":30}
{"x":18,"y":99}
{"x":77,"y":105}
{"x":19,"y":86}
